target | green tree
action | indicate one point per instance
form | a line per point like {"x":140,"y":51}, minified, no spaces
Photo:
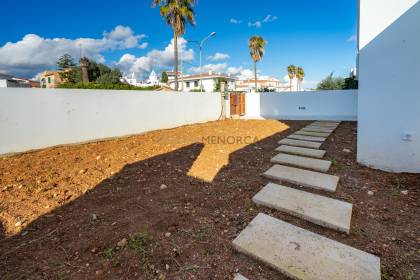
{"x":66,"y":61}
{"x":164,"y":78}
{"x":176,"y":13}
{"x":217,"y":87}
{"x":97,"y":72}
{"x":351,"y":83}
{"x":291,"y":71}
{"x":331,"y":83}
{"x":300,"y":75}
{"x":256,"y":45}
{"x":111,"y":77}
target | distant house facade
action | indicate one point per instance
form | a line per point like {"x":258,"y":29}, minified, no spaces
{"x":153,"y":80}
{"x":9,"y":81}
{"x":51,"y":79}
{"x":208,"y":81}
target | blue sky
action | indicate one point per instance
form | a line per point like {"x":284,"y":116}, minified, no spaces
{"x":316,"y":35}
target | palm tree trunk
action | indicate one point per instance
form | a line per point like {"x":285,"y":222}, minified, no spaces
{"x":290,"y":84}
{"x":255,"y":76}
{"x":176,"y":61}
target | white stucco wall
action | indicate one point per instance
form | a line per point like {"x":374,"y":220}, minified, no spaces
{"x":38,"y":118}
{"x":321,"y":105}
{"x":389,"y":88}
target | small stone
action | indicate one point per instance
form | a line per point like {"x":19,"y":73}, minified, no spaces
{"x":122,"y":243}
{"x":347,"y":150}
{"x":168,"y":234}
{"x":94,"y":217}
{"x":167,"y":266}
{"x":370,"y":193}
{"x":404,"y":192}
{"x":163,"y":186}
{"x":98,"y":157}
{"x":24,"y":233}
{"x":98,"y":272}
{"x":18,"y":224}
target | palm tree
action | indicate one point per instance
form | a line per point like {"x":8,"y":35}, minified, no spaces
{"x":176,"y":13}
{"x":300,"y":75}
{"x":256,"y":46}
{"x":291,"y":71}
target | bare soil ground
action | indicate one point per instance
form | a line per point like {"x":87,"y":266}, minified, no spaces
{"x":167,"y":205}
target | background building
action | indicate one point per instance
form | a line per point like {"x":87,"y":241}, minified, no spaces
{"x":51,"y":79}
{"x":8,"y":81}
{"x":208,"y":80}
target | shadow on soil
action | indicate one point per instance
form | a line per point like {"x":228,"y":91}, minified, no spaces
{"x":153,"y":197}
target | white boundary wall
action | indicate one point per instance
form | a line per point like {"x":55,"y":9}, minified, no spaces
{"x":39,"y":118}
{"x":320,"y":105}
{"x":389,"y":94}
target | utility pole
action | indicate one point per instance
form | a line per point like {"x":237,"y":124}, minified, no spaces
{"x":200,"y":46}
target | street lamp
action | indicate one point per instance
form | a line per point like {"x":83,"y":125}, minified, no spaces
{"x":200,"y":45}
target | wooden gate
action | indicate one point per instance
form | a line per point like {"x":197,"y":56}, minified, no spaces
{"x":237,"y":104}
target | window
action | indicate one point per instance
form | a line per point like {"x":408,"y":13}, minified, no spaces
{"x":187,"y":84}
{"x":49,"y":80}
{"x":195,"y":83}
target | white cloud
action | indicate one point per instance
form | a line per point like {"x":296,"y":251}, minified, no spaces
{"x":256,"y":24}
{"x":235,"y":21}
{"x":218,"y":57}
{"x":34,"y":54}
{"x":215,"y":68}
{"x":154,"y":60}
{"x":270,"y":18}
{"x":352,"y":38}
{"x":259,"y":23}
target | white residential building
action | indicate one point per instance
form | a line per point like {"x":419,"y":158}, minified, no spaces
{"x":153,"y":80}
{"x":208,"y":81}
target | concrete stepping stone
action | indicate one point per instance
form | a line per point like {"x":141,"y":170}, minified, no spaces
{"x":325,"y":125}
{"x":306,"y":138}
{"x":303,"y":162}
{"x":303,"y":255}
{"x":312,"y":133}
{"x":317,"y":209}
{"x":320,"y":127}
{"x":303,"y":177}
{"x":328,"y":122}
{"x":311,"y":129}
{"x":301,"y":151}
{"x":240,"y":277}
{"x":300,"y":143}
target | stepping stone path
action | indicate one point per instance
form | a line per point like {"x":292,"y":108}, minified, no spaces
{"x":298,"y":253}
{"x":300,"y":143}
{"x":304,"y":162}
{"x":306,"y":138}
{"x":301,"y":254}
{"x":301,"y":151}
{"x":318,"y":209}
{"x":302,"y":177}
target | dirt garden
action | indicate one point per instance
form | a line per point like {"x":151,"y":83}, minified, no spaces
{"x":167,"y":205}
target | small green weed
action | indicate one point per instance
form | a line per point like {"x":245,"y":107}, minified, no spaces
{"x":140,"y":243}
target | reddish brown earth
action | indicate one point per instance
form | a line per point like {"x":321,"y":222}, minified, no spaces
{"x":167,"y":205}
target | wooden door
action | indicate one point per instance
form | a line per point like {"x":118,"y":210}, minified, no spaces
{"x":237,"y":104}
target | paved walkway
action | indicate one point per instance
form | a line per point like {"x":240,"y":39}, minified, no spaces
{"x":296,"y":252}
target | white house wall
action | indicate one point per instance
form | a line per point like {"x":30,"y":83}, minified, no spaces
{"x":38,"y":118}
{"x":389,"y":88}
{"x":322,"y":105}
